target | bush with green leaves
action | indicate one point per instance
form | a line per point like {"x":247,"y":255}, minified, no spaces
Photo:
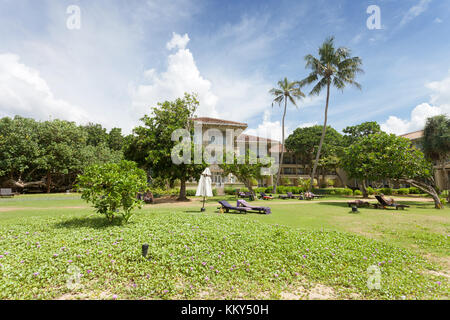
{"x":357,"y":192}
{"x":370,"y":191}
{"x":112,"y":188}
{"x":385,"y":191}
{"x":401,"y":191}
{"x":414,"y":190}
{"x":340,"y":191}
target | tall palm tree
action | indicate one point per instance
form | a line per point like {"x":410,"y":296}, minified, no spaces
{"x":285,"y":91}
{"x":334,"y":67}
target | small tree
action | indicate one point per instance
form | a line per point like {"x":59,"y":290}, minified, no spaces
{"x":385,"y":156}
{"x":353,"y":134}
{"x":151,"y":145}
{"x":113,"y":187}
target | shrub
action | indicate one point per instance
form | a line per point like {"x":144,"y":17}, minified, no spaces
{"x":259,"y":189}
{"x":342,"y":191}
{"x":230,"y":191}
{"x":281,"y":189}
{"x":414,"y":190}
{"x":357,"y":192}
{"x":331,"y":182}
{"x":304,"y":183}
{"x":370,"y":191}
{"x":190,"y":192}
{"x":385,"y":191}
{"x":113,"y":186}
{"x":401,"y":191}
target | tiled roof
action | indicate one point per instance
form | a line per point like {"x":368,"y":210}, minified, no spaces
{"x":413,"y":135}
{"x":207,"y":120}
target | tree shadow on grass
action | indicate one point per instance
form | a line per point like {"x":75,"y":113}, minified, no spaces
{"x":334,"y":204}
{"x":91,"y":222}
{"x":412,"y":204}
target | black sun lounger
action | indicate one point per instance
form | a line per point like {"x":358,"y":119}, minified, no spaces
{"x":227,"y":207}
{"x":245,"y":204}
{"x":383,"y":204}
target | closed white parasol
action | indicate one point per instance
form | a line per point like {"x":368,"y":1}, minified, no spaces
{"x":204,"y":188}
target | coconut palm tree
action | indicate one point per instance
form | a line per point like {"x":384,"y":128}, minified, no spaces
{"x":334,"y":67}
{"x":285,"y":91}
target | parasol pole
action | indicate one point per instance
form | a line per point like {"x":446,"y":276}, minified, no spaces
{"x":204,"y":194}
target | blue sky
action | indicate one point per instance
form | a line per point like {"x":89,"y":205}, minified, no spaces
{"x":128,"y":55}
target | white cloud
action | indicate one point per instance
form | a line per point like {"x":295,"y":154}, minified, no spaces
{"x":272,"y":129}
{"x":240,"y":97}
{"x":24,"y":92}
{"x":223,"y":94}
{"x":415,"y":11}
{"x":417,"y":121}
{"x":441,"y":91}
{"x":182,"y":75}
{"x":178,"y":42}
{"x":269,"y":129}
{"x":439,"y":104}
{"x":438,"y":20}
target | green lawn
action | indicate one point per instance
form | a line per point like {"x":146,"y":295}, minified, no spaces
{"x":302,"y":250}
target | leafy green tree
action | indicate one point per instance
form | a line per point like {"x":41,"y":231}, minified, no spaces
{"x":304,"y":142}
{"x":385,"y":156}
{"x":96,"y":134}
{"x":151,"y":146}
{"x":353,"y":133}
{"x":112,"y":188}
{"x":334,"y":67}
{"x":286,"y":91}
{"x":19,"y":148}
{"x":60,"y":142}
{"x":90,"y":155}
{"x":436,"y":143}
{"x":115,"y":139}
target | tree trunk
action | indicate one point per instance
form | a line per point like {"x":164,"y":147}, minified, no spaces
{"x":445,"y":177}
{"x":249,"y":186}
{"x":277,"y":182}
{"x":21,"y":185}
{"x":316,"y":162}
{"x":364,"y":189}
{"x":49,"y":181}
{"x":340,"y":178}
{"x":427,"y":188}
{"x":182,"y":196}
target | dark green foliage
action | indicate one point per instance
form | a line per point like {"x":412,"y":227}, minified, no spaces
{"x":353,"y":133}
{"x":151,"y":145}
{"x":112,"y":188}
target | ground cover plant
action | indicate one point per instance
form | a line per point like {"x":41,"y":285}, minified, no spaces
{"x":53,"y":252}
